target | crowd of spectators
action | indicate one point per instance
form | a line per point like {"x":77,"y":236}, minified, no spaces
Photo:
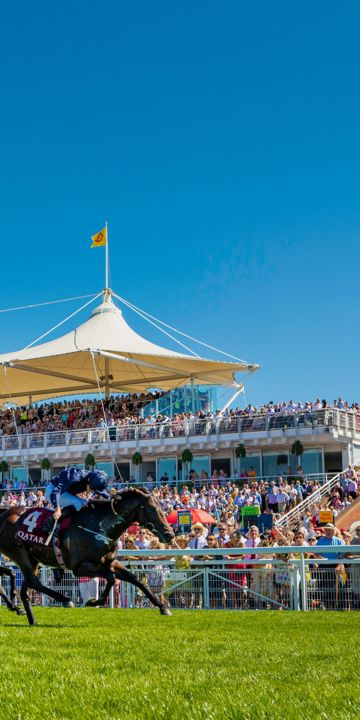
{"x":224,"y":498}
{"x":239,"y":582}
{"x":73,"y":414}
{"x":127,"y":410}
{"x":245,"y":585}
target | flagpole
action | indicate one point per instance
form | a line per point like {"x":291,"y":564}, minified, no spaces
{"x":107,"y":258}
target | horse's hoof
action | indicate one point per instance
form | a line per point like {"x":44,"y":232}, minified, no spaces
{"x":165,"y":611}
{"x":68,"y":604}
{"x":92,"y":602}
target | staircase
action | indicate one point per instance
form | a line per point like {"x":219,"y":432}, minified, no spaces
{"x":349,"y":516}
{"x":293,"y":516}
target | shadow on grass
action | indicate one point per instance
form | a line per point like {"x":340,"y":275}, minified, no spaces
{"x":40,"y":625}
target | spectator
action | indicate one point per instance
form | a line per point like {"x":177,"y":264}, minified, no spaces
{"x":198,"y":541}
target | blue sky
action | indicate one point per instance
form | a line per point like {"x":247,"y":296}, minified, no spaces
{"x":221,"y":142}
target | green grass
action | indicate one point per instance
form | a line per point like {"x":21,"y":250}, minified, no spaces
{"x":136,"y":665}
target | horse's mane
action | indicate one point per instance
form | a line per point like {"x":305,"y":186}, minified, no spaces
{"x":136,"y":490}
{"x":126,"y":492}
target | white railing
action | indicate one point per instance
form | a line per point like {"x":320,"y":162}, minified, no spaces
{"x":199,"y":483}
{"x":295,"y":514}
{"x":288,"y":578}
{"x":346,"y":422}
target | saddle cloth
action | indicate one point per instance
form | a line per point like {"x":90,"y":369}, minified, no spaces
{"x":30,"y":525}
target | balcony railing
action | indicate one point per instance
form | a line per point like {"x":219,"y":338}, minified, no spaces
{"x":345,"y":422}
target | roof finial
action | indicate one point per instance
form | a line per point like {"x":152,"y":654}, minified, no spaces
{"x":107,"y":293}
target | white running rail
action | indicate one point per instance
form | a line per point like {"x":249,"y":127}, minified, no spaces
{"x":295,"y":513}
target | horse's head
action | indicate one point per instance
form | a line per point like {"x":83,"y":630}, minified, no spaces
{"x":150,"y":514}
{"x":154,"y":518}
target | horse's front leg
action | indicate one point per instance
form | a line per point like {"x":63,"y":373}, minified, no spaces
{"x":90,"y":570}
{"x":122,"y":573}
{"x":110,"y":582}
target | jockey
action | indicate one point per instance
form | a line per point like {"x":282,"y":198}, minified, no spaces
{"x":63,"y":490}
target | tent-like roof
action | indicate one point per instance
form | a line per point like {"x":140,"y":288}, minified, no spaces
{"x":125,"y":362}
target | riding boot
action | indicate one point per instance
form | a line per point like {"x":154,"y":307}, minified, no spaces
{"x":68,"y":511}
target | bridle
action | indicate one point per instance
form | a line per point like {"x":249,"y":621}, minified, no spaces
{"x":142,"y":520}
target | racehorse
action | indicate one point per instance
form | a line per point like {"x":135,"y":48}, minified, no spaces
{"x":88,"y":545}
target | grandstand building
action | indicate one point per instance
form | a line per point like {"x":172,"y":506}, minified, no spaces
{"x":105,"y":355}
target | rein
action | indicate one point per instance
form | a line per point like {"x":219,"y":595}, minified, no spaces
{"x":112,"y":507}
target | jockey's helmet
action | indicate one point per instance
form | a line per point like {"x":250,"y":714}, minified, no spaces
{"x":97,"y":480}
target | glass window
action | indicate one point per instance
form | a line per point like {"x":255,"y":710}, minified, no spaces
{"x":122,"y":472}
{"x":35,"y":476}
{"x":271,"y":465}
{"x":200,"y":463}
{"x":146,"y":472}
{"x":107,"y":467}
{"x":250,"y":461}
{"x":167,"y":469}
{"x":311,"y":461}
{"x":19,"y":475}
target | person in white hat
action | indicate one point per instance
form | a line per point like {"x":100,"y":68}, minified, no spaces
{"x":199,"y":541}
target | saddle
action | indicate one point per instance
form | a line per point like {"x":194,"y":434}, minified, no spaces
{"x":33,"y":525}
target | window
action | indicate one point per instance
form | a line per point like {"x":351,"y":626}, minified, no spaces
{"x":19,"y":475}
{"x":107,"y":467}
{"x":312,"y":461}
{"x":199,"y":463}
{"x":270,"y":465}
{"x":168,"y":466}
{"x":250,"y":461}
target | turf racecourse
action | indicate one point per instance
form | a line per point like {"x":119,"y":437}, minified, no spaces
{"x":114,"y":664}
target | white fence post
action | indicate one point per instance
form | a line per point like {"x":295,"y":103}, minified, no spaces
{"x":303,"y":583}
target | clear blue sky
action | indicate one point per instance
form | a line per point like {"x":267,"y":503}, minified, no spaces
{"x":221,"y":142}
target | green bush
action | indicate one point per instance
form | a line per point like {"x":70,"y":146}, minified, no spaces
{"x":187,"y":456}
{"x":240,"y":451}
{"x":297,"y":448}
{"x":89,"y":461}
{"x":137,"y":458}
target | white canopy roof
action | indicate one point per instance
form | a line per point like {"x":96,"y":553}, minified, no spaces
{"x":125,"y":362}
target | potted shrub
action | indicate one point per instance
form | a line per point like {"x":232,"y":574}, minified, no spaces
{"x":4,"y":469}
{"x":186,"y":457}
{"x":240,"y":451}
{"x":137,"y":460}
{"x":89,"y":462}
{"x":297,"y":449}
{"x":45,"y":469}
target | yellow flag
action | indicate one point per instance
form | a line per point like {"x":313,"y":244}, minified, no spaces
{"x":100,"y":239}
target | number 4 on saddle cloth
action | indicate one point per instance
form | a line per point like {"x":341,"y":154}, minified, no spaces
{"x":33,"y":525}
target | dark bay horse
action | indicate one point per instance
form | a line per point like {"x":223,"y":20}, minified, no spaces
{"x":88,"y":545}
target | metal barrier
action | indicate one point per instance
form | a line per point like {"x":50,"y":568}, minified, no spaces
{"x":283,"y":578}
